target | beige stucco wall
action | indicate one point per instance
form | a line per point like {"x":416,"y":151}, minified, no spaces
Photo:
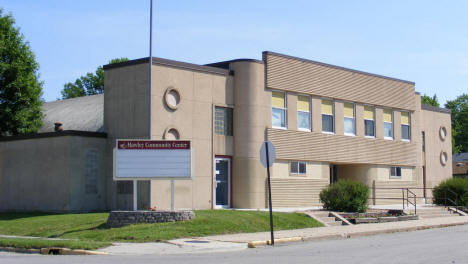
{"x":49,"y":174}
{"x":193,"y":119}
{"x":125,"y":117}
{"x":252,"y":114}
{"x":431,"y":122}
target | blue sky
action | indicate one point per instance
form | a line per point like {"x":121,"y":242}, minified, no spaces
{"x":421,"y":41}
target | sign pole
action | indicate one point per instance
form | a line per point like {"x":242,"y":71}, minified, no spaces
{"x":135,"y":195}
{"x":172,"y":195}
{"x":269,"y":194}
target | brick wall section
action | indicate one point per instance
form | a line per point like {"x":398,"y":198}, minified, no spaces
{"x":123,"y":218}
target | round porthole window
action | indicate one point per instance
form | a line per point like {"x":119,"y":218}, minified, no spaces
{"x":443,"y":157}
{"x":442,"y":133}
{"x":172,"y":98}
{"x":171,"y":134}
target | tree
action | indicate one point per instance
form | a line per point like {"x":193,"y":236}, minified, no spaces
{"x":20,"y":88}
{"x":89,"y":84}
{"x":459,"y":108}
{"x":427,"y":100}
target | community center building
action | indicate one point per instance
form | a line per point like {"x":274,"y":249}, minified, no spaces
{"x":326,"y":122}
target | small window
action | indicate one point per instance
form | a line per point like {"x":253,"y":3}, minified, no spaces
{"x":395,"y":172}
{"x":405,"y":126}
{"x":223,"y":121}
{"x":349,"y":119}
{"x":298,"y":167}
{"x":388,"y":123}
{"x":303,"y":113}
{"x":124,"y":187}
{"x":278,"y":109}
{"x":369,"y":123}
{"x":327,"y":116}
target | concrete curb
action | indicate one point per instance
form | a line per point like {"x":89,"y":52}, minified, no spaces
{"x":255,"y":244}
{"x":52,"y":251}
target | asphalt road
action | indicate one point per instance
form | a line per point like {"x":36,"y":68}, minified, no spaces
{"x":445,"y":245}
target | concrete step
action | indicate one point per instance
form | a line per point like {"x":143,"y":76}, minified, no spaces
{"x":321,"y":214}
{"x":336,"y":223}
{"x":328,"y":219}
{"x":436,"y":215}
{"x":424,"y":212}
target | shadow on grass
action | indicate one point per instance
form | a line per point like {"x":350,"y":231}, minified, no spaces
{"x":14,"y":216}
{"x":102,"y":226}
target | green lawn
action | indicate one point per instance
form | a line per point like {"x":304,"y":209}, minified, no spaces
{"x":43,"y":243}
{"x":91,"y":227}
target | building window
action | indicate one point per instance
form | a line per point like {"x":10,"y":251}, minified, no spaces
{"x":124,"y":187}
{"x":303,"y":113}
{"x":388,"y":123}
{"x":405,"y":126}
{"x":395,"y":172}
{"x":349,"y":119}
{"x":92,"y":169}
{"x":298,"y":167}
{"x":223,"y":121}
{"x":369,"y":123}
{"x":278,"y":110}
{"x":327,"y":116}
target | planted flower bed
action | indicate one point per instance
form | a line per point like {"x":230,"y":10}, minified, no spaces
{"x":378,"y":217}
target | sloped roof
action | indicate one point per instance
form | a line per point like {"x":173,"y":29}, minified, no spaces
{"x":460,"y":157}
{"x":82,"y":113}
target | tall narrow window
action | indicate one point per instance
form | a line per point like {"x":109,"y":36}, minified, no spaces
{"x":223,"y":121}
{"x":303,"y":113}
{"x":369,"y":123}
{"x":388,"y":123}
{"x":327,"y":116}
{"x":349,"y":119}
{"x":405,"y":126}
{"x":278,"y":109}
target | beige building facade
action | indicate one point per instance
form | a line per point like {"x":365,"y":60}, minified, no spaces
{"x":327,"y":123}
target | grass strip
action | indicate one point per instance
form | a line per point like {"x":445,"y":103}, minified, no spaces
{"x":44,"y":243}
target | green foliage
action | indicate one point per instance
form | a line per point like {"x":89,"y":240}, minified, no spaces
{"x":92,"y":226}
{"x":455,"y":189}
{"x":459,"y":108}
{"x":20,"y":88}
{"x":89,"y":84}
{"x":427,"y":100}
{"x":345,"y":196}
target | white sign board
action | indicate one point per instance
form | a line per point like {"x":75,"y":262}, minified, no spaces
{"x":271,"y":154}
{"x":152,"y":159}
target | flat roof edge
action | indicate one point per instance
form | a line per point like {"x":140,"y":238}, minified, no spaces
{"x":170,"y":63}
{"x":336,"y":67}
{"x":55,"y":134}
{"x":435,"y":109}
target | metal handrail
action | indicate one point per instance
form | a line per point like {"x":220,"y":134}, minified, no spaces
{"x":407,"y":199}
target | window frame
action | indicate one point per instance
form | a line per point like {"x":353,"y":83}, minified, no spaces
{"x":309,"y":114}
{"x":298,"y":173}
{"x":332,"y":115}
{"x":397,"y":169}
{"x":409,"y":127}
{"x":231,"y":121}
{"x":285,"y":109}
{"x":392,"y":123}
{"x":373,"y":121}
{"x":354,"y":120}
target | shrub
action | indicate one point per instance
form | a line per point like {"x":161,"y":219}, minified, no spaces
{"x":454,"y":188}
{"x":345,"y":196}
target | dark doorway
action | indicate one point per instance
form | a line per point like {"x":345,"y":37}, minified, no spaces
{"x":333,"y":173}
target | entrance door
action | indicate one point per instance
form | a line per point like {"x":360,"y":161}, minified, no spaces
{"x":333,"y":174}
{"x":222,"y":182}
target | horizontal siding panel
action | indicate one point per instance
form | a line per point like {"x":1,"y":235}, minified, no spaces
{"x":286,"y":73}
{"x":295,"y":192}
{"x":312,"y":146}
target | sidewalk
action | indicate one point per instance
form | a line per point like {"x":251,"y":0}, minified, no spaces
{"x":234,"y":242}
